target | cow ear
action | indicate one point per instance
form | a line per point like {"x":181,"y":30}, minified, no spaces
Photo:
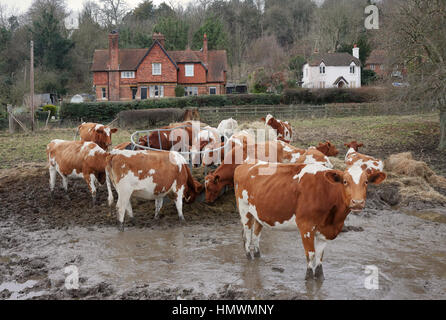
{"x":346,"y":144}
{"x":328,"y":143}
{"x":377,"y":178}
{"x":262,"y":119}
{"x":360,"y":145}
{"x":334,"y":176}
{"x":113,"y":130}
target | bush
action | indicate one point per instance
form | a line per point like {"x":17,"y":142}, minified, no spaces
{"x":332,"y":95}
{"x":179,"y":91}
{"x":107,"y":111}
{"x":51,"y":108}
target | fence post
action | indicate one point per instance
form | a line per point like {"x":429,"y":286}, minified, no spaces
{"x":11,"y":120}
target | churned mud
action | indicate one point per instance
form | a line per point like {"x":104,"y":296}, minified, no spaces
{"x":203,"y":258}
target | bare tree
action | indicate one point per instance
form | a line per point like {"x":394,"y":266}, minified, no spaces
{"x":113,"y":11}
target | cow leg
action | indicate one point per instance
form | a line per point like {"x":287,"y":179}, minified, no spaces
{"x":319,"y":244}
{"x":52,"y":179}
{"x":110,"y":198}
{"x":256,"y":238}
{"x":247,"y":221}
{"x":179,"y":203}
{"x":308,"y":242}
{"x":158,"y":206}
{"x":122,"y":205}
{"x":129,"y":210}
{"x":90,"y":180}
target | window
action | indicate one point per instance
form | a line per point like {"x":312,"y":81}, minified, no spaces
{"x":212,"y":90}
{"x":104,"y":93}
{"x":352,"y":84}
{"x":190,"y":91}
{"x":352,"y":69}
{"x":321,"y":69}
{"x":156,"y":91}
{"x":189,"y":70}
{"x":372,"y":67}
{"x":322,"y":84}
{"x":143,"y":93}
{"x":156,"y":69}
{"x":134,"y":91}
{"x":128,"y":74}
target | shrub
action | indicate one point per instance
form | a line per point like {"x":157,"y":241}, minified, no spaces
{"x":332,"y":95}
{"x":179,"y":91}
{"x":51,"y":108}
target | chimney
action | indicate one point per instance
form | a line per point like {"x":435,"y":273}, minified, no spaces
{"x":205,"y":49}
{"x":356,"y":51}
{"x":160,"y":37}
{"x":113,"y":60}
{"x":113,"y":50}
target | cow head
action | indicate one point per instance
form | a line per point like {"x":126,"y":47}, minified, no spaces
{"x":191,"y":192}
{"x":213,"y":187}
{"x":328,"y":149}
{"x":353,"y":144}
{"x":354,"y":181}
{"x":102,"y":136}
{"x":143,"y":141}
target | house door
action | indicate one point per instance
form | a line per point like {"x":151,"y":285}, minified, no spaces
{"x":143,"y":93}
{"x":340,"y":84}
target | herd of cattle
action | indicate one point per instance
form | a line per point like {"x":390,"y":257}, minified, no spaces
{"x":276,"y":185}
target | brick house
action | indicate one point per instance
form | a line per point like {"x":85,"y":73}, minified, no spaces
{"x":134,"y":74}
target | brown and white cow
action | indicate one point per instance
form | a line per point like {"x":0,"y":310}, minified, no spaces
{"x":150,"y":175}
{"x":76,"y":159}
{"x":283,"y":128}
{"x":355,"y":159}
{"x":97,"y":133}
{"x":270,"y":151}
{"x":328,"y":149}
{"x":311,"y":198}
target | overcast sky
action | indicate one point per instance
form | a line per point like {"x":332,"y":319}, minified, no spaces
{"x":21,"y":6}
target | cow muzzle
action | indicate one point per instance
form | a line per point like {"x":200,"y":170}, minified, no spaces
{"x":357,"y":205}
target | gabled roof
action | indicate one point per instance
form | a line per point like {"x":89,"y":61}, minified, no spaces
{"x":377,"y":57}
{"x":130,"y":59}
{"x":333,"y":59}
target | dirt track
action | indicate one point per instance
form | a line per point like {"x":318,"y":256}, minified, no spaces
{"x":203,"y":258}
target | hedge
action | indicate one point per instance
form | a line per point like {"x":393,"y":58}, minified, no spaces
{"x":331,"y":95}
{"x":106,"y":111}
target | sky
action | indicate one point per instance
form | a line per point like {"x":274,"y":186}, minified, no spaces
{"x":21,"y":6}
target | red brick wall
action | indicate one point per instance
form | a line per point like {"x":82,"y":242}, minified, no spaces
{"x":168,"y":70}
{"x":199,"y":74}
{"x":100,"y":78}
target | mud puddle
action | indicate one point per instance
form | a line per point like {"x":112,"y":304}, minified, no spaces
{"x":194,"y":261}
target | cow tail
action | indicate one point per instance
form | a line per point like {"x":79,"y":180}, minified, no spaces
{"x":77,"y":132}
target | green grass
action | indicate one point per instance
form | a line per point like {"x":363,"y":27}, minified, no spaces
{"x":21,"y":148}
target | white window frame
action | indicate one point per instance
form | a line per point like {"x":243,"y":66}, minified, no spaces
{"x":352,"y":68}
{"x":190,"y":68}
{"x":156,"y":89}
{"x":215,"y":88}
{"x":322,"y":84}
{"x":127,"y":74}
{"x":193,"y":90}
{"x":372,"y":66}
{"x":322,"y":68}
{"x":104,"y":93}
{"x":154,"y":73}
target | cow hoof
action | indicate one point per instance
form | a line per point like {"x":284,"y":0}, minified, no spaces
{"x":182,"y":220}
{"x":319,"y":273}
{"x":121,"y":227}
{"x":257,"y":254}
{"x":309,"y":274}
{"x":156,"y":217}
{"x":248,"y":255}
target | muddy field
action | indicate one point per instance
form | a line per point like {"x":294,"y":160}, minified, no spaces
{"x":203,"y":258}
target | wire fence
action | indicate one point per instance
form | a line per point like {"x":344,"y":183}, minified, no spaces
{"x":213,"y":115}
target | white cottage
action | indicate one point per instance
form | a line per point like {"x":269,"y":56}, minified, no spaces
{"x":331,"y":70}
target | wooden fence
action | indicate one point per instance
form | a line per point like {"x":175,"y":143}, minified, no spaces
{"x":213,"y":115}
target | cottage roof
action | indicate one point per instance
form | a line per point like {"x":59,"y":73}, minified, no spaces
{"x":333,"y":59}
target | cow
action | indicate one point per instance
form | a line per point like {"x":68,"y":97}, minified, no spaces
{"x":283,"y":128}
{"x":309,"y":197}
{"x":354,"y":158}
{"x":76,"y":159}
{"x":328,"y":149}
{"x":215,"y":181}
{"x":97,"y":133}
{"x":150,"y":175}
{"x":227,"y":127}
{"x":191,"y":114}
{"x":292,"y":154}
{"x":314,"y":156}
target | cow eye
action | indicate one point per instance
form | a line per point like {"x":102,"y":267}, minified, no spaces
{"x":345,"y":182}
{"x":366,"y":182}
